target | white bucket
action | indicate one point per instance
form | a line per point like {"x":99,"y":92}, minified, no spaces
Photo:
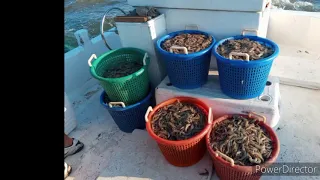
{"x":69,"y":116}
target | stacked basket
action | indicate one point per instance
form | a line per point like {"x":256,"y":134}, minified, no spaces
{"x":187,"y":67}
{"x":126,"y":95}
{"x":244,"y":64}
{"x":239,"y":79}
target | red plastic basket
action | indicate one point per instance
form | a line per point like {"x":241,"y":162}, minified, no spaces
{"x":185,"y":152}
{"x":224,"y":168}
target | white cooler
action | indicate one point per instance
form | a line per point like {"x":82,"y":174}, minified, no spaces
{"x":267,"y":104}
{"x":220,"y":18}
{"x":227,"y":5}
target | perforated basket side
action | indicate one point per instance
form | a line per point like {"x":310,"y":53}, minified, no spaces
{"x":243,"y":82}
{"x":224,"y":169}
{"x":185,"y":152}
{"x":130,"y":117}
{"x":129,"y":91}
{"x":188,"y":74}
{"x":244,"y":79}
{"x":184,"y":155}
{"x":186,"y":71}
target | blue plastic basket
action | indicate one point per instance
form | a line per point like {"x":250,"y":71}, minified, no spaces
{"x":130,"y":117}
{"x":186,"y":71}
{"x":244,"y":79}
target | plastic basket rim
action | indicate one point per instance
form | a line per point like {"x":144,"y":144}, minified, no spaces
{"x":124,"y":78}
{"x":274,"y":153}
{"x":180,"y":142}
{"x":166,"y":36}
{"x":102,"y":95}
{"x":265,"y":40}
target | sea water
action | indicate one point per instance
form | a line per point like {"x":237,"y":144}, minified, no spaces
{"x":87,"y":14}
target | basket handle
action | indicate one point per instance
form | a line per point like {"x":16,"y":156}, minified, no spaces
{"x":191,"y":25}
{"x":210,"y":116}
{"x":144,"y":58}
{"x":185,"y":50}
{"x":91,"y":58}
{"x":227,"y":158}
{"x":116,"y":103}
{"x":257,"y":116}
{"x":239,"y":54}
{"x":249,"y":30}
{"x":147,"y":113}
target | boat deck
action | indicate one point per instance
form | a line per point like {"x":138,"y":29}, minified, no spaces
{"x":111,"y":154}
{"x":297,"y":66}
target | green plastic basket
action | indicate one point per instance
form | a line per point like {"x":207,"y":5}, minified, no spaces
{"x":128,"y":89}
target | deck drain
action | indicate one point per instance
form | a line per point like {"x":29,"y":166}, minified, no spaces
{"x":268,"y":83}
{"x":265,"y":98}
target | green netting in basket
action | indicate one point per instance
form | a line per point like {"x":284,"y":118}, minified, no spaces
{"x":128,"y":89}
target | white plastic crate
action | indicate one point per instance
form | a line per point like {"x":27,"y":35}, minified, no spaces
{"x":144,"y":36}
{"x":267,"y":104}
{"x":69,"y":116}
{"x":230,"y":5}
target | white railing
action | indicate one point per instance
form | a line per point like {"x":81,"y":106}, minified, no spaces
{"x":77,"y":71}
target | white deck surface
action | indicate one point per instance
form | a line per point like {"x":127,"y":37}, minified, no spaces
{"x":112,"y":154}
{"x":297,"y":66}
